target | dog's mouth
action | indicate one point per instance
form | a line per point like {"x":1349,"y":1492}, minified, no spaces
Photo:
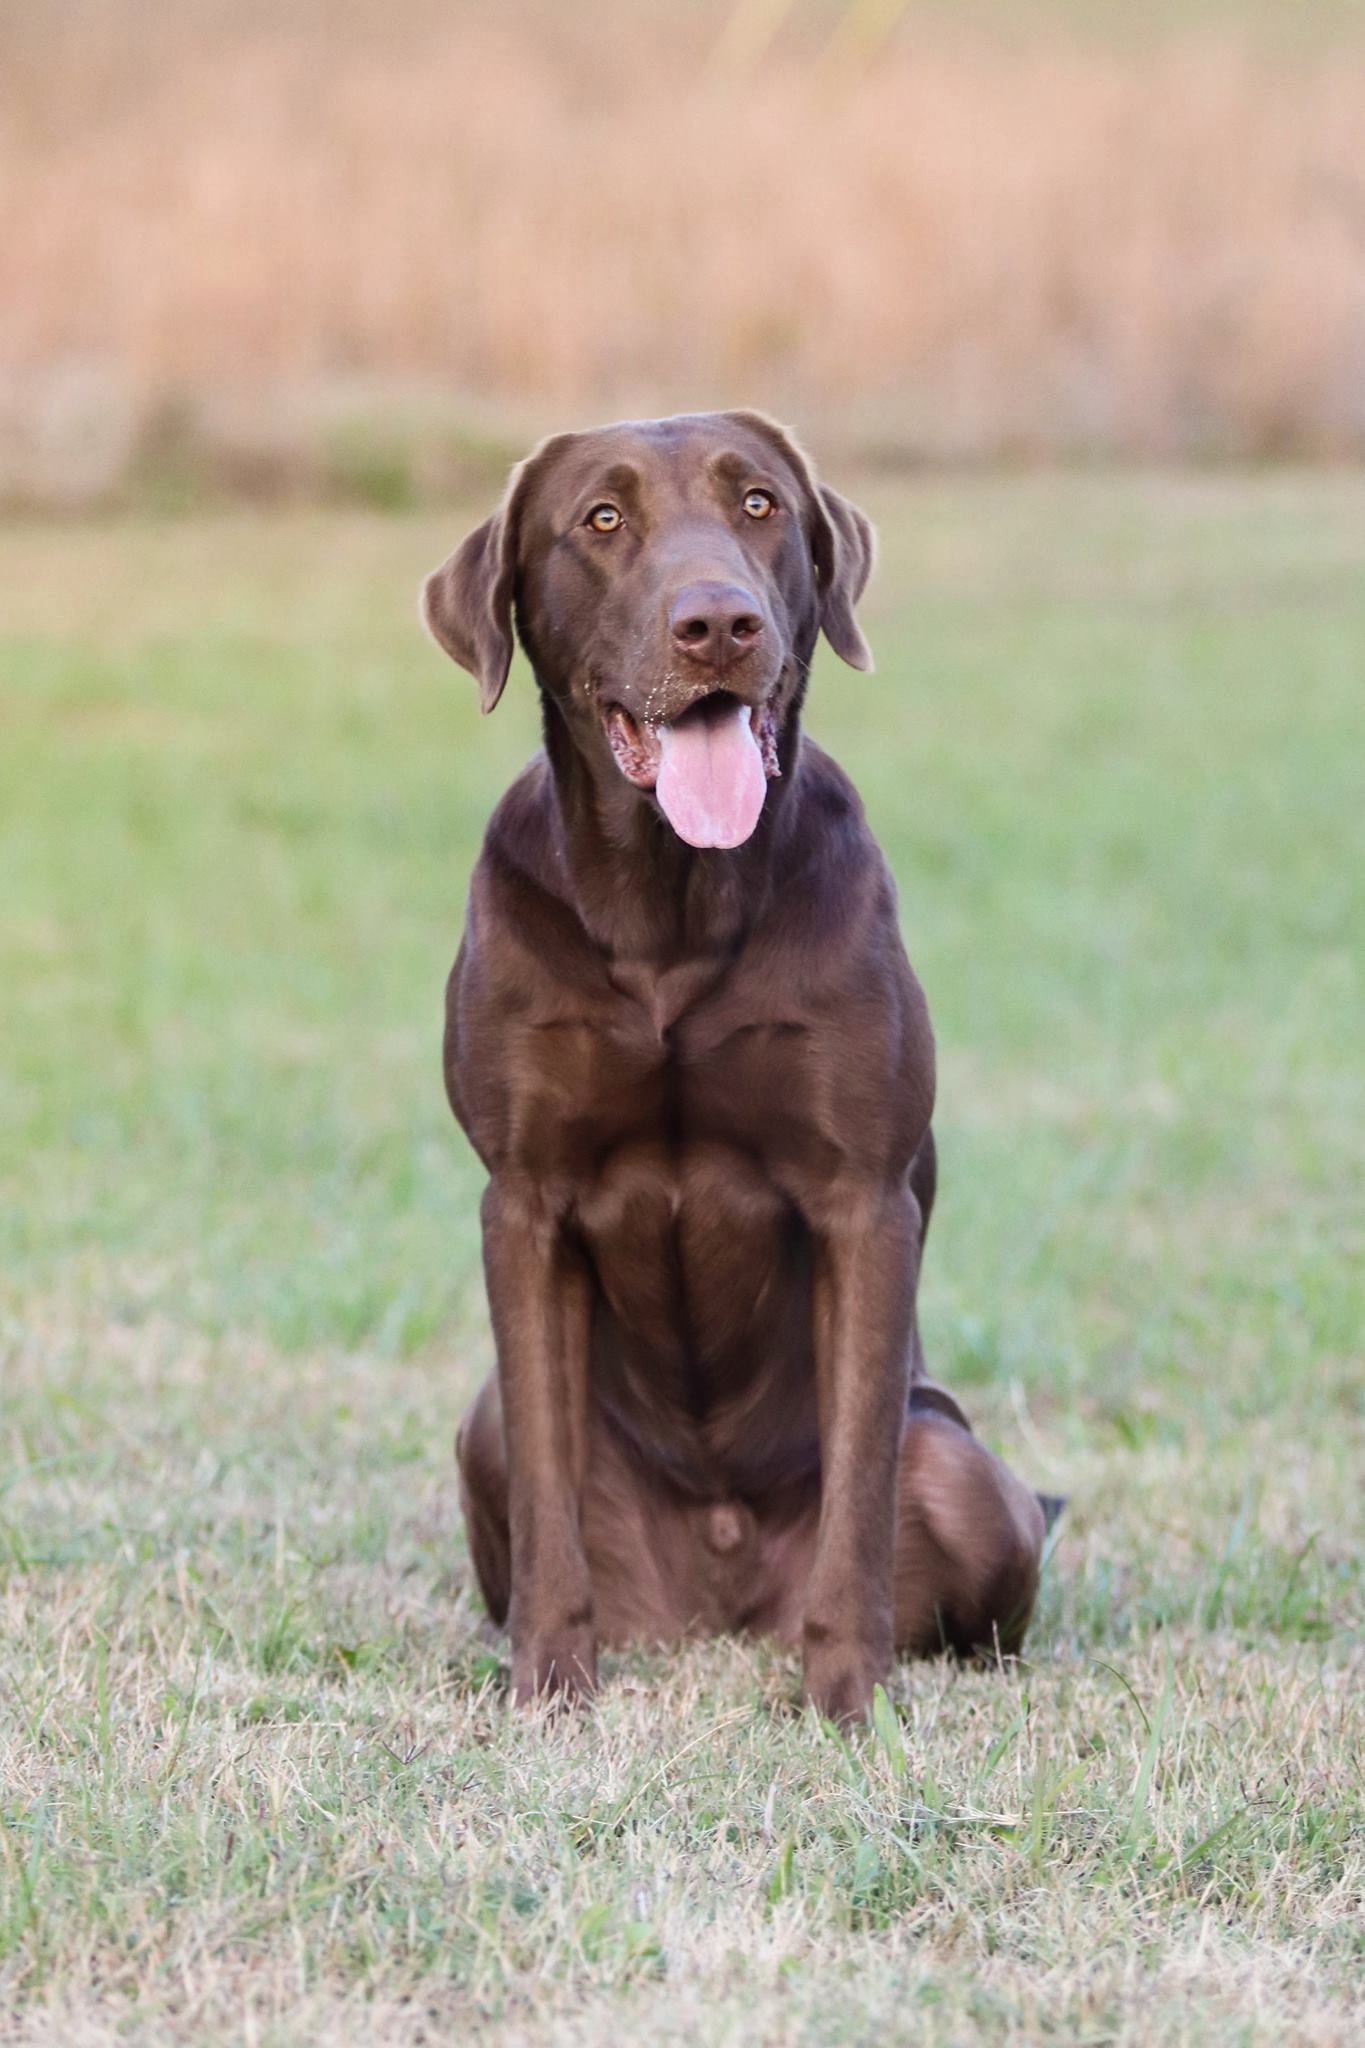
{"x":708,"y":769}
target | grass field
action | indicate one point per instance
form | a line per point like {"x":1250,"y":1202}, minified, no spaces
{"x":258,"y":1779}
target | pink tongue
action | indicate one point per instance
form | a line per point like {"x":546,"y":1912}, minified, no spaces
{"x":711,"y":782}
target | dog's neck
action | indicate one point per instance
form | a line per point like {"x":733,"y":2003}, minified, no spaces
{"x":645,"y":898}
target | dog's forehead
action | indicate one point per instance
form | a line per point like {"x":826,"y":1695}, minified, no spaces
{"x":680,"y":452}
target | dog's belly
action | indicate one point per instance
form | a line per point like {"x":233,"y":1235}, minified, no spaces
{"x":702,"y":1351}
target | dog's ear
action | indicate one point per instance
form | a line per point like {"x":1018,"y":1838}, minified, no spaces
{"x":467,"y":605}
{"x":843,"y":545}
{"x":845,"y":550}
{"x":467,"y":602}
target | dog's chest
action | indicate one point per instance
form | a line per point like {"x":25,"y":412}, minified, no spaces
{"x":620,"y":1077}
{"x":702,"y":1266}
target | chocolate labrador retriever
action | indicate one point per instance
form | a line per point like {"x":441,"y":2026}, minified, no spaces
{"x":684,"y":1039}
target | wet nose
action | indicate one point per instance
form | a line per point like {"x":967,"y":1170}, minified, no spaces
{"x":714,"y":623}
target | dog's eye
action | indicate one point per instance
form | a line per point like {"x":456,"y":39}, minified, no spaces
{"x":758,"y":504}
{"x":604,"y":519}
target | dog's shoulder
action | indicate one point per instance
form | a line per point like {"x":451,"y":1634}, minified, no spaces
{"x":519,"y":878}
{"x":518,"y":845}
{"x":839,"y":867}
{"x":841,"y":913}
{"x":829,"y":792}
{"x":520,"y":927}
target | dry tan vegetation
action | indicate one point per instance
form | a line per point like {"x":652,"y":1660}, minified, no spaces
{"x":951,"y":244}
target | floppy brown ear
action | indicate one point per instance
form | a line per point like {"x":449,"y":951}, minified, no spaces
{"x":467,"y":603}
{"x":845,"y":549}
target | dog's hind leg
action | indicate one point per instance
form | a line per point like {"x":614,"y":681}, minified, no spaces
{"x":969,"y":1540}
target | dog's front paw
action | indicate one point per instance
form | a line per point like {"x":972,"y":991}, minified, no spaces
{"x":839,"y":1677}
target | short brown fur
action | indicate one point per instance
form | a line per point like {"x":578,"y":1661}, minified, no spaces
{"x":701,"y":1083}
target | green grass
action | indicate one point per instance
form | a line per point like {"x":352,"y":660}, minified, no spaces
{"x":258,"y":1780}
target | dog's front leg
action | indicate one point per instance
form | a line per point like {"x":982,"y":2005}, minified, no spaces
{"x":867,"y":1252}
{"x":538,"y":1295}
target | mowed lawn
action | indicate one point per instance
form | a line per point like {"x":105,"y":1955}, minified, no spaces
{"x":259,"y":1781}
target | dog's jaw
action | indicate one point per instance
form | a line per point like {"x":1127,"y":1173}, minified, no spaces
{"x":635,"y":746}
{"x":638,"y":751}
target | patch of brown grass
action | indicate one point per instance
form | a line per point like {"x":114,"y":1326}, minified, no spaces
{"x":962,"y":246}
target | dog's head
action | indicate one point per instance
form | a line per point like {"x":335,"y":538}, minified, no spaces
{"x":669,"y":579}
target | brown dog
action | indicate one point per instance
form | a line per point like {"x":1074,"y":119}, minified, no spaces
{"x":685,"y":1041}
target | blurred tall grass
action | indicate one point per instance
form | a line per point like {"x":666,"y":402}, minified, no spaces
{"x":366,"y":246}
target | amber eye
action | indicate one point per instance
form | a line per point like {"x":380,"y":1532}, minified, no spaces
{"x":604,"y":519}
{"x":759,"y":504}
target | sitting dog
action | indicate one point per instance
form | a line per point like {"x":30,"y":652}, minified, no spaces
{"x":685,"y":1041}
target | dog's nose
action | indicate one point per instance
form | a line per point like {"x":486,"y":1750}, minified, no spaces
{"x":714,"y":623}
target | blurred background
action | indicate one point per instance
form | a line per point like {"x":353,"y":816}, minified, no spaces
{"x":362,"y":248}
